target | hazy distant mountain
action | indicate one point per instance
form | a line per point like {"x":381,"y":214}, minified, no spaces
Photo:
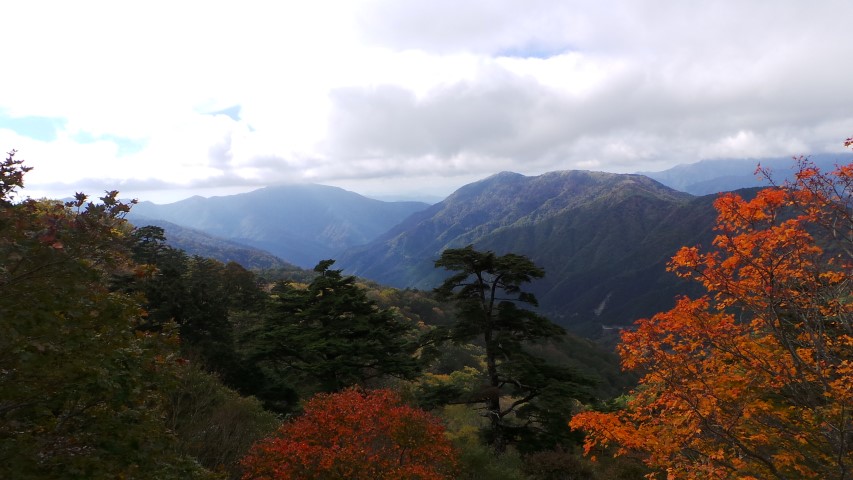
{"x":603,"y":240}
{"x":196,"y":242}
{"x":299,"y":223}
{"x":713,"y":176}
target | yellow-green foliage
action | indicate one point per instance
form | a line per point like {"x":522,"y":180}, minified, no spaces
{"x":214,"y":423}
{"x":478,"y":461}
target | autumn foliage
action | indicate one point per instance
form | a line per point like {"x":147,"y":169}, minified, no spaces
{"x":355,"y":435}
{"x":755,"y":379}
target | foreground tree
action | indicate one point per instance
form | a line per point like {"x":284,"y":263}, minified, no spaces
{"x":79,"y":385}
{"x":355,"y":435}
{"x":754,"y":380}
{"x":521,"y":388}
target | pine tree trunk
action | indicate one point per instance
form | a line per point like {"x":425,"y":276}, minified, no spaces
{"x":493,"y":398}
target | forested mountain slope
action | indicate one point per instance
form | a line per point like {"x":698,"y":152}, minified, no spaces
{"x":603,"y":240}
{"x":301,"y":224}
{"x":196,"y":242}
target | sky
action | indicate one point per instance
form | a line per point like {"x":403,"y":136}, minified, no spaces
{"x":410,"y":99}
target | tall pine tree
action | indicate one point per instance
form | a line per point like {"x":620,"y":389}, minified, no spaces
{"x":524,"y":394}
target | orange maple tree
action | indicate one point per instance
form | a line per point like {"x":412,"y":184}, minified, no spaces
{"x":355,"y":435}
{"x":755,"y":379}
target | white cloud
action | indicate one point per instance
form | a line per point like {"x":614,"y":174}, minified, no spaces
{"x":438,"y":92}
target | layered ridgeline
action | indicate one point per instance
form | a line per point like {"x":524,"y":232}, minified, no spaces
{"x":301,"y":224}
{"x":712,"y":176}
{"x":196,"y":242}
{"x":602,"y":238}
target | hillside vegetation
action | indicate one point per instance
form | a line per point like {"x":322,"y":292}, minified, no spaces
{"x":122,"y":356}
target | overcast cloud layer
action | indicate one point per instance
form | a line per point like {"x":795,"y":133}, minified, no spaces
{"x":163,"y":100}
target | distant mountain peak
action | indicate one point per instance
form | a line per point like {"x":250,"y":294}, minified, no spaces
{"x":551,"y":217}
{"x":506,"y":174}
{"x":301,"y":223}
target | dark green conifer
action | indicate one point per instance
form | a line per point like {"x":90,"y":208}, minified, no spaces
{"x":524,"y":394}
{"x":330,"y":335}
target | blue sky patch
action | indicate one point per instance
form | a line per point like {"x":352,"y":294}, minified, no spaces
{"x":232,"y":112}
{"x":126,"y":146}
{"x":39,"y":128}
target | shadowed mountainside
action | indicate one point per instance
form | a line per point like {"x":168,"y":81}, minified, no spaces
{"x":603,"y":240}
{"x":196,"y":242}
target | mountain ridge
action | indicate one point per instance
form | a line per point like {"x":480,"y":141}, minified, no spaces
{"x":196,"y":242}
{"x":602,"y":238}
{"x":723,"y":175}
{"x":497,"y":203}
{"x":300,"y":223}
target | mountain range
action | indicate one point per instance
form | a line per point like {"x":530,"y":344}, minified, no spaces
{"x":603,"y":239}
{"x":197,"y":242}
{"x":301,"y":224}
{"x":713,"y":176}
